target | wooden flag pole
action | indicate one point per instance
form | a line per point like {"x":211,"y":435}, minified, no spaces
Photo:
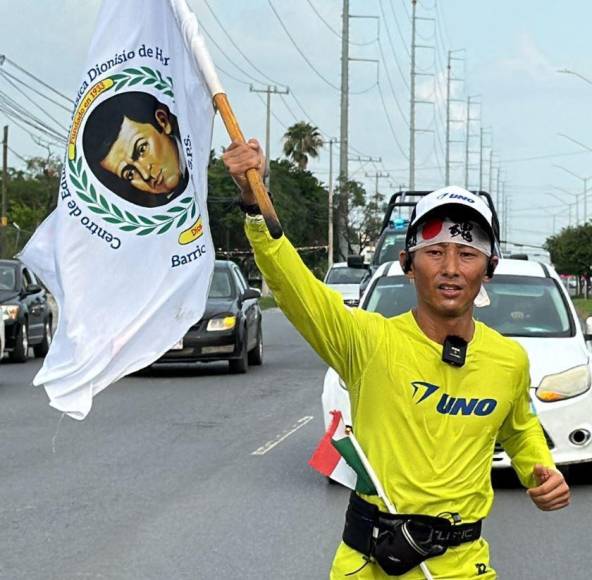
{"x":254,"y":178}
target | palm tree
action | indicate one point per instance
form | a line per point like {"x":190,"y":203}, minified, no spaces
{"x":301,"y":141}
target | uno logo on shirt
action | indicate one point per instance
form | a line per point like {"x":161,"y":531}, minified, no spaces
{"x":448,"y":405}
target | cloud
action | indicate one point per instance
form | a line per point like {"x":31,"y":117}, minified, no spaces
{"x":529,"y":61}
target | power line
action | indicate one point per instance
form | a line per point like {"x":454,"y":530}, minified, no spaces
{"x":274,"y":115}
{"x":14,"y":110}
{"x":20,"y":91}
{"x":308,"y":62}
{"x":37,"y":140}
{"x":231,"y":76}
{"x":399,"y":30}
{"x":232,"y":41}
{"x":335,"y":32}
{"x":3,"y":58}
{"x":283,"y":99}
{"x":225,"y":55}
{"x":17,"y":154}
{"x":388,"y":34}
{"x":311,"y":120}
{"x":20,"y":81}
{"x":390,"y":124}
{"x":538,"y":157}
{"x":393,"y":92}
{"x":406,"y":9}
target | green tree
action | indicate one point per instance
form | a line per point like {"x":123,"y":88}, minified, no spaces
{"x":350,"y":202}
{"x":301,"y":204}
{"x":571,"y":250}
{"x":31,"y":195}
{"x":301,"y":141}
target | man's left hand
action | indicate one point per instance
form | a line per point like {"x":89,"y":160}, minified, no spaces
{"x":552,"y":491}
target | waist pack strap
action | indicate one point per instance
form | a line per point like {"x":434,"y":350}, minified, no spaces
{"x":362,"y":517}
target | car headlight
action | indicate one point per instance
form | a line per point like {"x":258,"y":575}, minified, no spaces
{"x":564,"y":385}
{"x":10,"y":311}
{"x":224,"y":323}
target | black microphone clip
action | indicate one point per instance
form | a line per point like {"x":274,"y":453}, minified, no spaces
{"x":454,"y":351}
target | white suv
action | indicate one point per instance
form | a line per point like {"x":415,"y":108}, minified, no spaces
{"x":530,"y":304}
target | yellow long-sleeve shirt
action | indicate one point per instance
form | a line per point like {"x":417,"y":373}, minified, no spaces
{"x":428,"y":428}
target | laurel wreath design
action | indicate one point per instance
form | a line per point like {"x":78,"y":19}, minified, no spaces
{"x":124,"y":220}
{"x":143,"y":75}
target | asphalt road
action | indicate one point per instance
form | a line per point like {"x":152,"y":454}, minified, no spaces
{"x":191,"y":473}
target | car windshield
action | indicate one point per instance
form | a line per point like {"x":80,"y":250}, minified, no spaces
{"x":525,"y":306}
{"x":345,"y":275}
{"x":221,"y":286}
{"x":7,"y":278}
{"x":392,"y":244}
{"x":520,"y":305}
{"x":391,"y":296}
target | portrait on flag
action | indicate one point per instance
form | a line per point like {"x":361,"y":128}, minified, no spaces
{"x":132,"y":144}
{"x":128,"y":253}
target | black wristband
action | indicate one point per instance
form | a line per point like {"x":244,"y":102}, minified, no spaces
{"x":251,"y":208}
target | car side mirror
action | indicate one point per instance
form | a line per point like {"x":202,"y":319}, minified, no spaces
{"x":356,"y":261}
{"x":33,"y":289}
{"x":588,"y":329}
{"x":251,"y":293}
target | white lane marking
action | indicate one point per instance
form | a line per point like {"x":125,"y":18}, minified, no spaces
{"x":271,"y":444}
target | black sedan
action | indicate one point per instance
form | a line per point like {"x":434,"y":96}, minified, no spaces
{"x":231,"y":325}
{"x":25,"y":310}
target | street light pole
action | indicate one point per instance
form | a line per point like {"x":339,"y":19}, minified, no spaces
{"x":577,"y":201}
{"x":584,"y":180}
{"x":577,"y":74}
{"x":564,"y":202}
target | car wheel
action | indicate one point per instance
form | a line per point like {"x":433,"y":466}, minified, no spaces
{"x":21,"y":347}
{"x":42,"y":348}
{"x":256,"y":355}
{"x":238,"y":366}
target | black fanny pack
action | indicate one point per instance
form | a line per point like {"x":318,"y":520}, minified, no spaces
{"x":399,"y":543}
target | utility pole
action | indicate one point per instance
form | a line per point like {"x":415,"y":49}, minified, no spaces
{"x":377,"y":176}
{"x":490,"y":188}
{"x":342,"y":241}
{"x":3,"y":218}
{"x":469,"y":119}
{"x":467,"y":138}
{"x":505,"y":203}
{"x":585,"y":180}
{"x":481,"y":159}
{"x":269,"y":91}
{"x":449,"y":120}
{"x":343,"y":152}
{"x":412,"y":101}
{"x":497,"y":188}
{"x":330,"y":230}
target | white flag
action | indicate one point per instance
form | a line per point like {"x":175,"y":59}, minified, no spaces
{"x":128,"y":253}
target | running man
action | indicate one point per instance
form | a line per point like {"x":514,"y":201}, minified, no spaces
{"x":431,"y":390}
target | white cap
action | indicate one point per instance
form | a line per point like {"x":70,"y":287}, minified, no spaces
{"x":451,"y":195}
{"x":454,"y":195}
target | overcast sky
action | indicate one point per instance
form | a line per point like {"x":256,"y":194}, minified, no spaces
{"x":513,"y":51}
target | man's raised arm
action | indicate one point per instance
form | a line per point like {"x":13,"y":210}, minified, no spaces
{"x":341,"y":336}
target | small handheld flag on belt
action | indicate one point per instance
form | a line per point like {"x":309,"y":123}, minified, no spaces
{"x":128,"y":253}
{"x":336,"y":457}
